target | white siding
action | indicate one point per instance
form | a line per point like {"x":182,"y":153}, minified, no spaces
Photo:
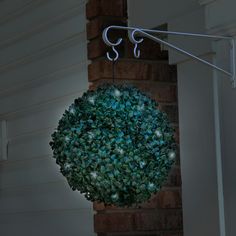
{"x":43,"y":68}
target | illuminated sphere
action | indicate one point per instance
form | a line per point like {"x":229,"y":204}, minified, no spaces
{"x":114,"y":145}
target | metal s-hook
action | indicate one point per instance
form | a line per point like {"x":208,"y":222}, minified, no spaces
{"x":136,"y":51}
{"x":135,"y":42}
{"x":111,"y":44}
{"x":116,"y":55}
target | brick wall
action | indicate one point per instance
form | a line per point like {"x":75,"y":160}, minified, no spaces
{"x":162,"y":215}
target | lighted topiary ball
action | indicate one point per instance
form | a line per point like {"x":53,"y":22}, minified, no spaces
{"x":114,"y":145}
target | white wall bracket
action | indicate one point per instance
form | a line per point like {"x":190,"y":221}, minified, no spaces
{"x":148,"y":33}
{"x":3,"y":140}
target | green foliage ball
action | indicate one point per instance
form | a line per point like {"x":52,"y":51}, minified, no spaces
{"x":114,"y":145}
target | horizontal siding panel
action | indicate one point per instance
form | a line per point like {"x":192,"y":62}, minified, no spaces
{"x":65,"y":30}
{"x":45,"y":67}
{"x":62,"y":101}
{"x":76,"y":39}
{"x":29,"y":172}
{"x":10,"y":8}
{"x":27,"y":124}
{"x":53,"y":196}
{"x":45,"y":14}
{"x":31,"y":146}
{"x":60,"y":223}
{"x":29,"y":135}
{"x":44,"y":93}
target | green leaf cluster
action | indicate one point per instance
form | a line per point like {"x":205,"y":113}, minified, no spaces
{"x":114,"y":145}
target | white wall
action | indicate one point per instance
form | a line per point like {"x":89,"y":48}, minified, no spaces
{"x":197,"y":150}
{"x":227,"y":114}
{"x":198,"y":135}
{"x":228,"y":137}
{"x":221,"y":19}
{"x":43,"y":67}
{"x":220,"y":15}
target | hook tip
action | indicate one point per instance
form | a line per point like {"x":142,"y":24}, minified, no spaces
{"x":136,"y":51}
{"x":116,"y":55}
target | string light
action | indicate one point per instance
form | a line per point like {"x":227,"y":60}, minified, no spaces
{"x":91,"y":100}
{"x":117,"y":93}
{"x":158,"y":133}
{"x":171,"y":155}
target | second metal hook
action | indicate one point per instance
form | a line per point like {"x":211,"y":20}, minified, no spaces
{"x":116,"y":55}
{"x":136,"y":51}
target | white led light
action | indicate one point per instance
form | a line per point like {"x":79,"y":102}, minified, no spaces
{"x":151,"y":186}
{"x":172,"y":155}
{"x":67,"y":166}
{"x":158,"y":133}
{"x":91,"y":100}
{"x":67,"y":139}
{"x":120,"y":150}
{"x":72,"y":110}
{"x":91,"y":135}
{"x":140,"y":107}
{"x":142,"y":164}
{"x":117,"y":93}
{"x":94,"y":175}
{"x":114,"y":196}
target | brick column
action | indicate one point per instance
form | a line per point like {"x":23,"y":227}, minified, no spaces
{"x":162,"y":215}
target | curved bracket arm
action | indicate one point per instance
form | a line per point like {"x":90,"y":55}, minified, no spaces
{"x":147,"y":33}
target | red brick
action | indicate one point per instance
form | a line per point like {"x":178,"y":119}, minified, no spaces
{"x":174,"y":179}
{"x":98,"y":206}
{"x":169,"y":199}
{"x":147,"y":233}
{"x":171,"y":111}
{"x":96,"y":48}
{"x":172,"y":234}
{"x":129,"y":70}
{"x":113,"y":8}
{"x":165,"y":199}
{"x":176,"y":134}
{"x":114,"y":222}
{"x":133,"y":233}
{"x":93,"y":8}
{"x":158,"y":220}
{"x":161,"y":92}
{"x":177,"y":159}
{"x":123,"y":70}
{"x":164,"y":72}
{"x":152,"y":220}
